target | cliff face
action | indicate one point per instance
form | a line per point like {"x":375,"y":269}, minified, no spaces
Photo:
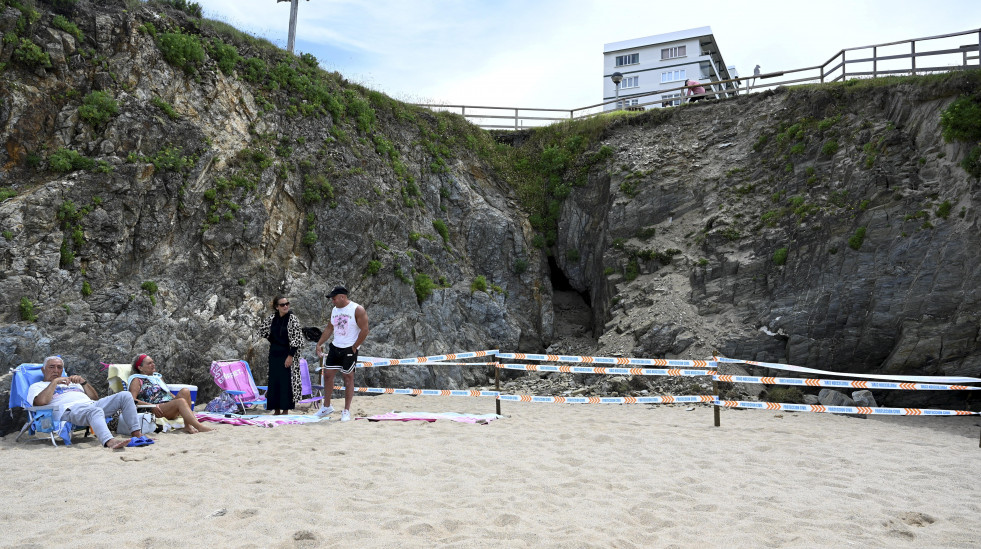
{"x":208,"y":191}
{"x":829,"y":227}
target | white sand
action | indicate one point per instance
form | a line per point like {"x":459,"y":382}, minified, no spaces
{"x":546,"y":475}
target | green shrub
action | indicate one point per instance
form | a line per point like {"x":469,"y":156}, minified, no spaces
{"x":479,"y":284}
{"x":148,"y":28}
{"x":225,"y":55}
{"x":520,"y":266}
{"x":310,"y":238}
{"x":7,"y":192}
{"x":771,"y":217}
{"x":97,"y":108}
{"x":423,"y":286}
{"x":181,"y":50}
{"x":830,"y":147}
{"x":60,"y":22}
{"x":149,"y":287}
{"x":170,"y":159}
{"x":8,"y":234}
{"x":165,"y":107}
{"x":66,"y":160}
{"x":440,"y":227}
{"x":646,"y":233}
{"x":943,"y":211}
{"x":86,"y":288}
{"x":374,"y":266}
{"x":361,"y":110}
{"x":572,"y":255}
{"x":632,"y":270}
{"x":254,"y":70}
{"x":316,"y":188}
{"x":828,"y":123}
{"x":27,"y":310}
{"x":855,"y":241}
{"x":31,"y":55}
{"x":780,"y":256}
{"x":961,"y":121}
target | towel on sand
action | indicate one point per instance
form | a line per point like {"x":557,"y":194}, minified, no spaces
{"x":256,"y":420}
{"x":482,"y":419}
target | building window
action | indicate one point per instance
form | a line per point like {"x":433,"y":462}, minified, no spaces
{"x":667,"y":99}
{"x":630,"y":82}
{"x":629,"y":59}
{"x":673,"y":76}
{"x":626,"y":103}
{"x":672,"y":53}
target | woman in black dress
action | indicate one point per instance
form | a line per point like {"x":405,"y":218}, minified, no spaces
{"x":285,"y":336}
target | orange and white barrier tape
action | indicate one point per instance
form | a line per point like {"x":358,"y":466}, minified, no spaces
{"x":667,"y":399}
{"x":619,"y":361}
{"x":610,"y":371}
{"x":426,"y":392}
{"x":805,"y":382}
{"x":792,"y":368}
{"x":843,"y":409}
{"x":375,"y":362}
{"x":374,"y":365}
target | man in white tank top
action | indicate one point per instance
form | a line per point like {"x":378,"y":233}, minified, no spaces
{"x":349,"y":326}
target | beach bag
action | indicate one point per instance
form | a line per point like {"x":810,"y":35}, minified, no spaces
{"x":148,"y":423}
{"x":222,"y":404}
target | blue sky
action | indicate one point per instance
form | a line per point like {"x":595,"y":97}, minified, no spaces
{"x":549,"y":53}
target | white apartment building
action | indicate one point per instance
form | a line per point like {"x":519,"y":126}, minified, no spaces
{"x":661,"y":62}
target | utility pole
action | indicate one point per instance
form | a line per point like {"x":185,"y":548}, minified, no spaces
{"x":294,"y":6}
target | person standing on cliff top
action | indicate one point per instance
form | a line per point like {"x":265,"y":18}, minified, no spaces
{"x":349,"y":326}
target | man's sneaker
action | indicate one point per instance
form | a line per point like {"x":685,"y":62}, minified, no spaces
{"x":345,"y":416}
{"x":324,"y":412}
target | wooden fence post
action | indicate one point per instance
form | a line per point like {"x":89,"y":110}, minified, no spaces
{"x":715,"y":407}
{"x":497,"y":386}
{"x":912,"y":57}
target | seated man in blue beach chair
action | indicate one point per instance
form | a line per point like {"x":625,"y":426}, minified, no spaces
{"x":81,"y":405}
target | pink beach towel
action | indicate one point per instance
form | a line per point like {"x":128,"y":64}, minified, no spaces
{"x":481,"y":419}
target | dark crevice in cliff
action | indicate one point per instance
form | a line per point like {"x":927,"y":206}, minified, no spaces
{"x":573,"y":315}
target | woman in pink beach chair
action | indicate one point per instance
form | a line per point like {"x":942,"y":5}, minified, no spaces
{"x":148,"y":388}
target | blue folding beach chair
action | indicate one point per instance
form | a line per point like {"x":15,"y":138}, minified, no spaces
{"x":40,"y":419}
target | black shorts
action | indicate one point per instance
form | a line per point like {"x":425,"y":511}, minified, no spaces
{"x":340,"y":358}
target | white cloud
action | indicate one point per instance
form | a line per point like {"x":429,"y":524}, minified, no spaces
{"x":549,"y":52}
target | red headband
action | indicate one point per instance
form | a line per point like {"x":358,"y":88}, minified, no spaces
{"x":139,"y":361}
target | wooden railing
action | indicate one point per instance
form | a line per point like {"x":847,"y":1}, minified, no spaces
{"x":860,"y":62}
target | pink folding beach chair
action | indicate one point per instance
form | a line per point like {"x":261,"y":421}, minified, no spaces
{"x":315,"y":392}
{"x":234,"y":377}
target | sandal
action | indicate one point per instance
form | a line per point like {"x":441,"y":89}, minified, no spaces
{"x":139,"y":441}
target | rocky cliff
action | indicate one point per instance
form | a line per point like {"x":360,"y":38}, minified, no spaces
{"x":165,"y":176}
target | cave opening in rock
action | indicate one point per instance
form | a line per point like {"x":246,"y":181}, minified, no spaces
{"x":573,"y":315}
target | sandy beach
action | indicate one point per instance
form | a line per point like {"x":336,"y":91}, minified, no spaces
{"x":545,"y":475}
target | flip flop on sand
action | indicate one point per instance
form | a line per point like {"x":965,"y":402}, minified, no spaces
{"x":139,"y":441}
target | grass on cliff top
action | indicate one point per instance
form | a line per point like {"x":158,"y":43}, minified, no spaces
{"x":971,"y":78}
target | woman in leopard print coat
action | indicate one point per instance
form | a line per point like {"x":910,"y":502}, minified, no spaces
{"x":285,"y":336}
